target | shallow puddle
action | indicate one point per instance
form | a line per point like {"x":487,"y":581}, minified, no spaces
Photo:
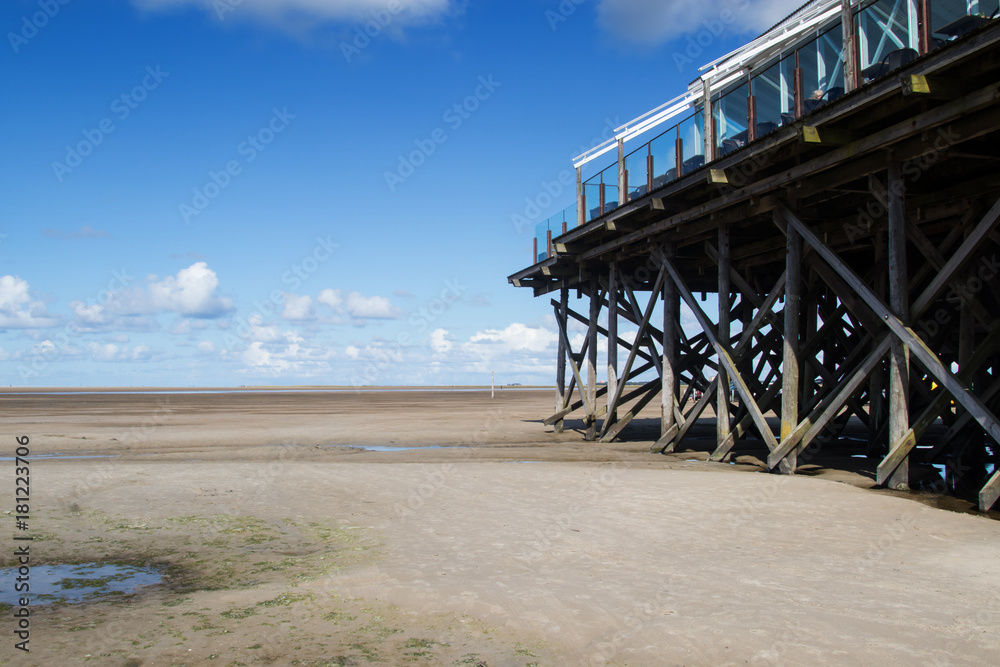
{"x":78,"y":582}
{"x":389,"y":448}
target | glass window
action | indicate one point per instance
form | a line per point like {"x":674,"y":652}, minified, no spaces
{"x":951,"y":19}
{"x":692,"y":134}
{"x":636,"y":172}
{"x":731,"y":122}
{"x":822,"y":65}
{"x":664,"y":152}
{"x":887,"y":36}
{"x":774,"y":97}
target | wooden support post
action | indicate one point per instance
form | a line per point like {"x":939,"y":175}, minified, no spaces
{"x":622,"y":174}
{"x":668,"y":391}
{"x":877,"y":448}
{"x":790,"y":360}
{"x":595,"y":312}
{"x":613,"y":340}
{"x":581,"y":199}
{"x":561,"y":397}
{"x":722,"y":387}
{"x":709,"y":123}
{"x":927,"y":358}
{"x":899,"y":302}
{"x":850,"y":47}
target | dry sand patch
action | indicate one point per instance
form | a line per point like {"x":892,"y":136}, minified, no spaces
{"x":315,"y":554}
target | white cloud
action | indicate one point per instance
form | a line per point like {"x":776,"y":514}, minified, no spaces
{"x":288,"y":13}
{"x":206,"y":346}
{"x":371,"y":307}
{"x":441,"y":341}
{"x":110,"y":352}
{"x":652,"y":22}
{"x":191,"y":293}
{"x":352,"y":352}
{"x":517,"y":336}
{"x":18,"y":310}
{"x":298,"y":307}
{"x":332,"y":298}
{"x":359,"y":306}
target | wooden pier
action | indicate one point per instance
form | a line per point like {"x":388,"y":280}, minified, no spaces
{"x":854,"y":252}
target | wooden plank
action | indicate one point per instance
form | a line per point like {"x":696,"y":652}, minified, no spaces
{"x":990,"y":493}
{"x":918,"y":348}
{"x":895,"y":460}
{"x":665,"y":441}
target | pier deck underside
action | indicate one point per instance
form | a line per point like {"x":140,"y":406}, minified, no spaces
{"x":856,"y":259}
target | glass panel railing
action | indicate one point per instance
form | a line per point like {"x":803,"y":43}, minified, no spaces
{"x":663,"y":150}
{"x":730,"y":113}
{"x":549,"y":229}
{"x":637,"y":173}
{"x":887,"y":37}
{"x":951,"y":19}
{"x":692,"y":134}
{"x":821,"y":62}
{"x":774,"y":96}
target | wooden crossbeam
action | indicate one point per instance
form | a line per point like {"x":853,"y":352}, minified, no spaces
{"x":725,"y":356}
{"x":983,"y":353}
{"x":828,"y":408}
{"x":651,"y":389}
{"x":573,"y":364}
{"x":945,"y":275}
{"x":906,"y":335}
{"x":616,"y":400}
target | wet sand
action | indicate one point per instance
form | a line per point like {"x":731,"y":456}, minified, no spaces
{"x":283,"y":540}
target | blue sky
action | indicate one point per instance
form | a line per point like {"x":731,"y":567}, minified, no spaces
{"x":226,"y":192}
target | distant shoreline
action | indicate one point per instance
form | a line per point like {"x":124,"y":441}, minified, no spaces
{"x":256,"y":389}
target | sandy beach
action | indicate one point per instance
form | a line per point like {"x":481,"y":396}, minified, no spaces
{"x":491,"y":542}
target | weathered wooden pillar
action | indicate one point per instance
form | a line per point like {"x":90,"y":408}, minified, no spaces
{"x":622,"y":174}
{"x":876,"y":389}
{"x":613,"y":341}
{"x":561,"y":359}
{"x":722,"y":390}
{"x":790,"y":360}
{"x":671,"y":336}
{"x":595,"y":312}
{"x":581,"y":199}
{"x":850,"y":47}
{"x":899,"y":302}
